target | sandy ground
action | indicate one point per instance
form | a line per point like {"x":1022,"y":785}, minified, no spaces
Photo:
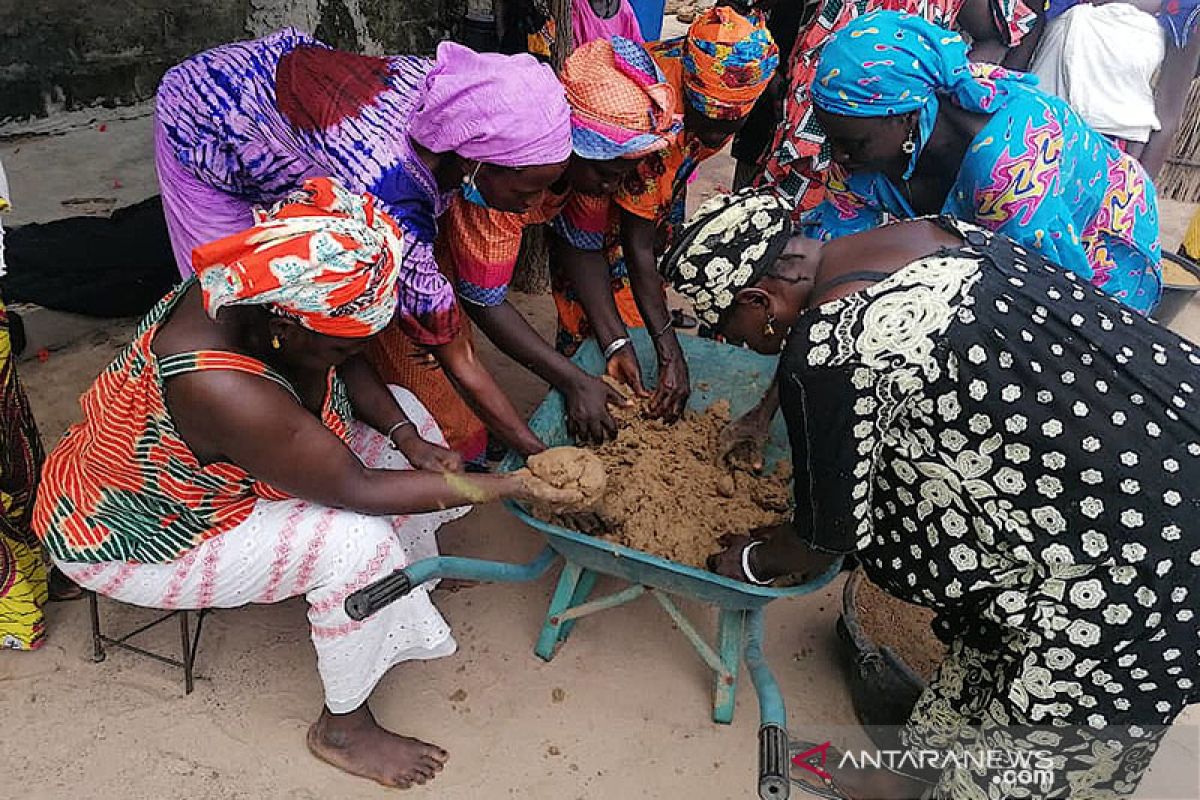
{"x":623,"y":711}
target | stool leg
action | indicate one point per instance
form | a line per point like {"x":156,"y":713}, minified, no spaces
{"x":186,"y":641}
{"x":98,"y":653}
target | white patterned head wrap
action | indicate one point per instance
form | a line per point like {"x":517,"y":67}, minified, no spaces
{"x":728,"y":245}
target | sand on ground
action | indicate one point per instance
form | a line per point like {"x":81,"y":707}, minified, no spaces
{"x":623,"y":711}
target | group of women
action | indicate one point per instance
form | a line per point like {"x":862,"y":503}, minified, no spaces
{"x":262,"y":437}
{"x":978,"y":408}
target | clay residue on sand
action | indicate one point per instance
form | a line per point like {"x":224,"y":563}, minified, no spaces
{"x":571,"y":468}
{"x":668,"y":496}
{"x":905,"y":628}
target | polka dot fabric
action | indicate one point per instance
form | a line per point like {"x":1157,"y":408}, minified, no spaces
{"x":1024,"y":459}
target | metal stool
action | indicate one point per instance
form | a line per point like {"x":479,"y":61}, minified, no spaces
{"x":188,"y":640}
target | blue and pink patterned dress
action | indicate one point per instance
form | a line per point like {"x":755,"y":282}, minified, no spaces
{"x":1036,"y":172}
{"x":244,"y":124}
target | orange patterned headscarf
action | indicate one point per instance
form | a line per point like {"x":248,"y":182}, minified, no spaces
{"x":325,"y":257}
{"x":728,"y":60}
{"x":621,"y":104}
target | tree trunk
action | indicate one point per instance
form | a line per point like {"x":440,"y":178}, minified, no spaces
{"x":532,"y":273}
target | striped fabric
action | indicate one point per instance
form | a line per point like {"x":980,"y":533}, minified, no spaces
{"x":123,"y":486}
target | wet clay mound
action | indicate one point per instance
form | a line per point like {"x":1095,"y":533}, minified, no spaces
{"x":667,"y":495}
{"x":571,"y":468}
{"x":903,"y":627}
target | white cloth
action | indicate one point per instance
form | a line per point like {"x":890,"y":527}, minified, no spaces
{"x":1103,"y":60}
{"x":5,"y":205}
{"x":292,"y":547}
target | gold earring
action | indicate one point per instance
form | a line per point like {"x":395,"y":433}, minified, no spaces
{"x":275,"y":343}
{"x":769,"y":328}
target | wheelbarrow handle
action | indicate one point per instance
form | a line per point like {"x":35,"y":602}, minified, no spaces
{"x":774,"y":763}
{"x":390,"y":588}
{"x":386,"y":590}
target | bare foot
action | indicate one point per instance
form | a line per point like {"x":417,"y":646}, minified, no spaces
{"x":355,"y":743}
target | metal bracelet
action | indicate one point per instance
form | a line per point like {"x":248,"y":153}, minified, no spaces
{"x":750,"y":576}
{"x":614,"y":346}
{"x":659,"y":334}
{"x":395,"y":428}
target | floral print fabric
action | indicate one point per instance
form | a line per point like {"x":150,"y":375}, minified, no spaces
{"x":1005,"y":445}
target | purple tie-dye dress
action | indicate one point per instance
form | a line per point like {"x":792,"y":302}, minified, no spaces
{"x":244,"y":124}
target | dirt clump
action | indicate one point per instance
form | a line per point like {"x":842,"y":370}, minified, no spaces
{"x":571,"y":468}
{"x":667,"y":494}
{"x":903,"y":627}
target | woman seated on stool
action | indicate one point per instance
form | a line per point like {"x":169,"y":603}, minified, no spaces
{"x":241,"y":451}
{"x":996,"y":440}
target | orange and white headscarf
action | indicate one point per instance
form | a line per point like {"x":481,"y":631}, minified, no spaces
{"x":324,"y":257}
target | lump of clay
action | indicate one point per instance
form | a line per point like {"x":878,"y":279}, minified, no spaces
{"x":571,"y":468}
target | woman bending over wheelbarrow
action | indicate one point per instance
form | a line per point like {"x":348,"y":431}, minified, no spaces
{"x":241,"y":451}
{"x":998,"y":440}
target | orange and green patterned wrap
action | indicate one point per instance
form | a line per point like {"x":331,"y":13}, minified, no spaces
{"x":123,"y":485}
{"x":325,"y":257}
{"x":728,"y":60}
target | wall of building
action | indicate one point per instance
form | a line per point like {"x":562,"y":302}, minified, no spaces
{"x":65,"y":55}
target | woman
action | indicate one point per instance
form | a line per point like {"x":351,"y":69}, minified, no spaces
{"x":997,"y":152}
{"x":718,"y":71}
{"x":241,"y":451}
{"x":23,"y":573}
{"x":797,"y":160}
{"x":1125,"y":67}
{"x":246,"y":123}
{"x":622,"y":110}
{"x":995,"y":440}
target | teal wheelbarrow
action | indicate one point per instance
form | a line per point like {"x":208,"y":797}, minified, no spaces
{"x":718,"y":372}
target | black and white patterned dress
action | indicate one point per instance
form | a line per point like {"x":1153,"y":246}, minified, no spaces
{"x":1002,"y":443}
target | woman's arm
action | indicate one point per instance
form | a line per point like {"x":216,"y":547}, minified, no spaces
{"x":587,"y":396}
{"x":255,"y":424}
{"x":1174,"y":80}
{"x":587,"y":270}
{"x":674,"y":386}
{"x":374,"y":404}
{"x":485,"y":397}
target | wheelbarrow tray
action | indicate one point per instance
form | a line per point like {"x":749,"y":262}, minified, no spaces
{"x":718,"y":372}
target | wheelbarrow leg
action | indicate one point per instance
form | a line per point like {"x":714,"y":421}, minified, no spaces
{"x":583,"y":590}
{"x":731,"y":627}
{"x":568,"y":582}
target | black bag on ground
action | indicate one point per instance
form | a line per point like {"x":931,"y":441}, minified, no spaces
{"x":115,"y":267}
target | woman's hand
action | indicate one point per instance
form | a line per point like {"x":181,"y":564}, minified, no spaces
{"x":588,"y":419}
{"x":623,"y":368}
{"x":741,"y":442}
{"x":728,"y":562}
{"x":527,"y":486}
{"x":780,"y":553}
{"x":674,"y":388}
{"x":426,"y":455}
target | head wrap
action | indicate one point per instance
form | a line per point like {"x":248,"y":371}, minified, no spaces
{"x":621,"y":105}
{"x":503,"y":110}
{"x":324,"y":257}
{"x":730,"y":242}
{"x":728,"y":59}
{"x":888,"y":63}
